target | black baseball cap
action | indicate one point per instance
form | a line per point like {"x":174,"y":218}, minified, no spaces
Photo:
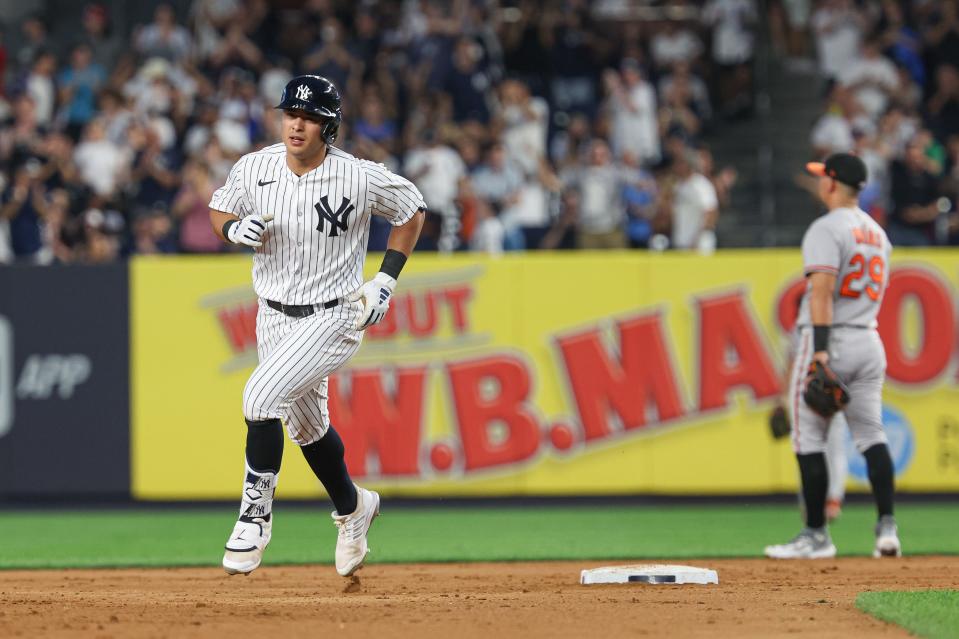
{"x":842,"y":167}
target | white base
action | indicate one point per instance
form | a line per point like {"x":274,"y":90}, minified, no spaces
{"x":649,"y":574}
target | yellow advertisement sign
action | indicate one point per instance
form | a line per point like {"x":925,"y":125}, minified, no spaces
{"x":541,"y":374}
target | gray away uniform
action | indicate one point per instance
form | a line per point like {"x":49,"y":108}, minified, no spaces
{"x":852,"y":246}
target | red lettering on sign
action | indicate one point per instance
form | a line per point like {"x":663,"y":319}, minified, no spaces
{"x":239,"y":324}
{"x":787,"y":309}
{"x":457,"y":298}
{"x":731,"y":352}
{"x":372,"y":421}
{"x":938,"y":325}
{"x":643,"y":373}
{"x":493,"y":392}
{"x":421,"y":314}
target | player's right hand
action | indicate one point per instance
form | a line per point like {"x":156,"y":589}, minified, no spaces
{"x":249,"y":230}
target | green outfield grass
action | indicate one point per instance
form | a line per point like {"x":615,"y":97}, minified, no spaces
{"x":169,"y":537}
{"x":927,"y":613}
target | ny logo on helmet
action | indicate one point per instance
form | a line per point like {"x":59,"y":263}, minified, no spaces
{"x":303,"y":92}
{"x":336,"y":219}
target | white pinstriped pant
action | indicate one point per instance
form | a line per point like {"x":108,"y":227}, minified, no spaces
{"x":296,"y":356}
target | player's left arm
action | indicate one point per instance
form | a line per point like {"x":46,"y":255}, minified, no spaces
{"x":376,"y":293}
{"x":821,"y":262}
{"x":821,"y":287}
{"x":399,"y":201}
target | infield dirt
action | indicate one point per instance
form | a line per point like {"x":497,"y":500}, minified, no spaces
{"x":755,"y":598}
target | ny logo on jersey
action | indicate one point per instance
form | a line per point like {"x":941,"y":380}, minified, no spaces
{"x":336,"y":219}
{"x":303,"y":92}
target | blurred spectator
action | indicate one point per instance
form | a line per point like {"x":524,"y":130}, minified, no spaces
{"x":467,"y":83}
{"x":102,"y":163}
{"x":838,"y":28}
{"x":498,"y":181}
{"x":523,"y":121}
{"x":34,"y":40}
{"x":374,"y":126}
{"x":689,"y":87}
{"x":331,"y":59}
{"x":78,"y":89}
{"x":104,"y":46}
{"x":190,"y":207}
{"x":942,"y":33}
{"x":569,"y":146}
{"x":569,"y":42}
{"x":695,"y":207}
{"x":23,"y":204}
{"x":437,"y":170}
{"x":943,"y":105}
{"x":732,"y":50}
{"x":673,"y":44}
{"x":153,"y":232}
{"x":41,"y":88}
{"x":914,"y":196}
{"x":602,"y":215}
{"x":635,"y":132}
{"x":101,"y":236}
{"x":832,"y":132}
{"x":163,"y":38}
{"x":871,"y":77}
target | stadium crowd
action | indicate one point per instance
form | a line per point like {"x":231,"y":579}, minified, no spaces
{"x":892,"y":97}
{"x":526,"y":125}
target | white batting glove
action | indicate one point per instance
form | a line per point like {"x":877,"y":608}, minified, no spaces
{"x":375,"y":296}
{"x":249,"y":230}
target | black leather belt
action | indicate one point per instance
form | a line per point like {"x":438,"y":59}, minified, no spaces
{"x":301,"y":310}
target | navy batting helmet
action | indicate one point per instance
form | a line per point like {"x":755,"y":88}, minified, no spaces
{"x":317,"y":95}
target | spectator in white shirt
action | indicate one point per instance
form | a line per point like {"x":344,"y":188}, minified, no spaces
{"x":872,"y":77}
{"x":41,"y":87}
{"x":632,"y":102}
{"x":695,"y":207}
{"x":525,"y":120}
{"x":673,"y":44}
{"x":437,"y":170}
{"x":101,"y":163}
{"x":838,"y":29}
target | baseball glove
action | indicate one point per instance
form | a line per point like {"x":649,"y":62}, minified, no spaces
{"x":779,"y":423}
{"x":825,"y":393}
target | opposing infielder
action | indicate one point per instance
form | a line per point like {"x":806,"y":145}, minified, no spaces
{"x":845,"y":260}
{"x":304,"y":206}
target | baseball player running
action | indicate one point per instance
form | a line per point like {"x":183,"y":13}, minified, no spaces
{"x":841,"y":363}
{"x":304,"y":206}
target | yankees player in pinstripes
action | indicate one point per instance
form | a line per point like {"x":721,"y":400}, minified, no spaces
{"x":304,"y":206}
{"x":845,"y":261}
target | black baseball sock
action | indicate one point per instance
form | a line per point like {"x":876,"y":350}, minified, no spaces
{"x":325,"y":457}
{"x":815,"y":481}
{"x":881,"y":476}
{"x":264,"y":445}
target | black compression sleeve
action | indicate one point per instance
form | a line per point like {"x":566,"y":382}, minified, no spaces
{"x":227,"y":226}
{"x":820,"y":337}
{"x":393,"y":263}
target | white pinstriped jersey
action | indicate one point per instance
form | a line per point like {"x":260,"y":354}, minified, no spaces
{"x":849,"y":244}
{"x":313,"y":249}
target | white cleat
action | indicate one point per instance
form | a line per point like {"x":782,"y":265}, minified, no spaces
{"x":244,"y":548}
{"x":887,"y":538}
{"x":808,"y":544}
{"x":351,"y":546}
